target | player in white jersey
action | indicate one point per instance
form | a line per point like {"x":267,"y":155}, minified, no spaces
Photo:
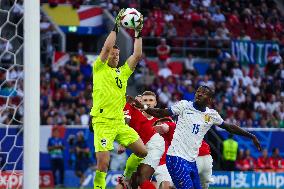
{"x":194,"y":120}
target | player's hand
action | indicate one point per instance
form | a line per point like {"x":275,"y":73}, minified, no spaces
{"x":121,"y":149}
{"x":134,"y":102}
{"x":161,"y":128}
{"x":118,"y":17}
{"x":138,"y":29}
{"x":256,"y":143}
{"x":140,"y":26}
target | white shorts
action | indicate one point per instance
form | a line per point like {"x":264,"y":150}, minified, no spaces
{"x":162,"y":174}
{"x":156,"y":148}
{"x":205,"y":165}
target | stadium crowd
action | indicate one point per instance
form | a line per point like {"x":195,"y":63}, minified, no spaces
{"x":214,"y":20}
{"x":245,"y":162}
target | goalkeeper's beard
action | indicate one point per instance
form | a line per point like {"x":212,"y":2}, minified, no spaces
{"x":113,"y":63}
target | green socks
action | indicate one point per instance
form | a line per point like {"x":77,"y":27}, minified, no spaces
{"x":100,"y":180}
{"x":131,"y":165}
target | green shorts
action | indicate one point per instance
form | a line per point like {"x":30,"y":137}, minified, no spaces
{"x":106,"y":131}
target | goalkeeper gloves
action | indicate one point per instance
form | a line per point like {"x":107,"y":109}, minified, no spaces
{"x":117,"y":21}
{"x":139,"y":28}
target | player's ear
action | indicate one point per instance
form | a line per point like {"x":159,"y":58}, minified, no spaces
{"x":210,"y":101}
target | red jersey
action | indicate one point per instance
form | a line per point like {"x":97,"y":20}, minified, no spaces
{"x":141,"y":124}
{"x":204,"y":149}
{"x":264,"y":163}
{"x":276,"y":162}
{"x":168,"y":139}
{"x":163,"y":52}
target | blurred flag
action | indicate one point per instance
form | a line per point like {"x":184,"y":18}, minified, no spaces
{"x":59,"y":59}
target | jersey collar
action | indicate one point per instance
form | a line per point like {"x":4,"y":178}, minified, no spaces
{"x":202,"y":110}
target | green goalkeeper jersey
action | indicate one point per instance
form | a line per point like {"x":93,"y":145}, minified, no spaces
{"x":109,"y":89}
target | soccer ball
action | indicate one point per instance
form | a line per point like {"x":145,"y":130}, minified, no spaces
{"x":130,"y":18}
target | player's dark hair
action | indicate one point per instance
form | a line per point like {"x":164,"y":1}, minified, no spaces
{"x":115,"y":47}
{"x":211,"y":92}
{"x":149,"y":93}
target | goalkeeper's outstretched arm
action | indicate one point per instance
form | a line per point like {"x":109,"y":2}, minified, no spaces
{"x":110,"y":40}
{"x":137,"y":53}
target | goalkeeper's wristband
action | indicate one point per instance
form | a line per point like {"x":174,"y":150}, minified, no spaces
{"x":115,"y":28}
{"x":138,"y":34}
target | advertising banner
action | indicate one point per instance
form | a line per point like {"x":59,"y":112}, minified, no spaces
{"x":248,"y":180}
{"x":249,"y":52}
{"x":9,"y":179}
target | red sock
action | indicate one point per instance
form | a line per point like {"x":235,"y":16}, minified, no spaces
{"x":147,"y":185}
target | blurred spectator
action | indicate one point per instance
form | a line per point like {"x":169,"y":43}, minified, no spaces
{"x":163,"y":51}
{"x":80,"y":50}
{"x":118,"y":157}
{"x":272,"y":105}
{"x":274,"y":60}
{"x":250,"y":161}
{"x":277,"y":160}
{"x":164,"y":95}
{"x":82,"y":153}
{"x":5,"y":46}
{"x":218,"y":17}
{"x":243,"y":36}
{"x":164,"y":72}
{"x":72,"y":150}
{"x":170,"y":30}
{"x":189,"y":63}
{"x":207,"y":82}
{"x":223,"y":56}
{"x":263,"y":162}
{"x":189,"y":93}
{"x":240,"y":161}
{"x":230,"y":151}
{"x":259,"y":104}
{"x":55,"y":148}
{"x":168,"y":16}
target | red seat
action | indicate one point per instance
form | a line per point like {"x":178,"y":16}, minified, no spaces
{"x":152,"y":65}
{"x":176,"y":67}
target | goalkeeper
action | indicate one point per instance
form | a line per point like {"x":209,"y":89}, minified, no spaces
{"x":109,"y":89}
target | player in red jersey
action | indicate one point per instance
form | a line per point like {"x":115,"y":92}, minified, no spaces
{"x":204,"y":161}
{"x":142,"y":123}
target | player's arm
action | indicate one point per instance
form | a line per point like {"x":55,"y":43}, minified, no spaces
{"x":134,"y":59}
{"x":234,"y":129}
{"x":162,"y":125}
{"x":110,"y":40}
{"x":156,"y":112}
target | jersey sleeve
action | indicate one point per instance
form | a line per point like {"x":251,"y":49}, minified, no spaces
{"x":178,"y":107}
{"x":127,"y":111}
{"x":125,"y":71}
{"x":216,"y":118}
{"x":98,"y":63}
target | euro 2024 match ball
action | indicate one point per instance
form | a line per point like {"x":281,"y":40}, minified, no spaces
{"x":130,"y":18}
